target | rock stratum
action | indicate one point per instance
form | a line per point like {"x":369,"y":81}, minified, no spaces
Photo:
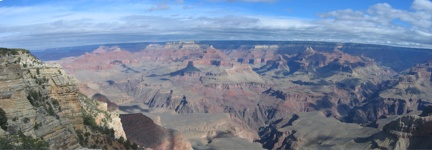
{"x":260,"y":84}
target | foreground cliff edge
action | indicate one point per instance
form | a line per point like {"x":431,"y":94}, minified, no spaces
{"x":41,"y":108}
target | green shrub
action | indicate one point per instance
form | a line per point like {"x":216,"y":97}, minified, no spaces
{"x":12,"y":51}
{"x":55,"y":102}
{"x":22,"y":141}
{"x":127,"y":144}
{"x":37,"y":125}
{"x":80,"y":138}
{"x":29,"y":143}
{"x":121,"y":140}
{"x":134,"y":146}
{"x":50,"y":110}
{"x":3,"y":119}
{"x":89,"y":120}
{"x":8,"y":142}
{"x":26,"y":120}
{"x":34,"y":98}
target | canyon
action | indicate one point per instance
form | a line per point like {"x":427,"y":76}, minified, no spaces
{"x":224,"y":95}
{"x":258,"y":83}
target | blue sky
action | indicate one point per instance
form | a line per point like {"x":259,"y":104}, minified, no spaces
{"x":40,"y":24}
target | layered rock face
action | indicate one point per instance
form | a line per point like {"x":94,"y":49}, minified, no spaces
{"x":408,"y":132}
{"x":40,"y":100}
{"x":410,"y":91}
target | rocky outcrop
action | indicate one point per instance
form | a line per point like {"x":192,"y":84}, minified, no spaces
{"x":103,"y":99}
{"x":410,"y":92}
{"x":278,"y":64}
{"x":242,"y":73}
{"x":190,"y":69}
{"x":257,"y":55}
{"x":104,"y":58}
{"x":142,"y":130}
{"x":103,"y":117}
{"x":214,"y":57}
{"x":40,"y":100}
{"x":404,"y":132}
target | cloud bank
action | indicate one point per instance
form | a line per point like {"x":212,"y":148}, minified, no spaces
{"x":59,"y":25}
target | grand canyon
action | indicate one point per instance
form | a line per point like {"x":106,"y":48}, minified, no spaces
{"x":215,"y":74}
{"x":219,"y":95}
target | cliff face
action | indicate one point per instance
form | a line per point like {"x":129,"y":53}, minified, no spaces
{"x":410,"y":132}
{"x":409,"y":91}
{"x":40,"y":100}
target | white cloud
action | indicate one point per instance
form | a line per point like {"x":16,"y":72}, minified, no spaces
{"x":378,"y":22}
{"x":48,"y":26}
{"x":160,"y":7}
{"x":422,"y":5}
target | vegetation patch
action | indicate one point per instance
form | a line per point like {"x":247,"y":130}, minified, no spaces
{"x":12,"y":51}
{"x":22,"y":141}
{"x":103,"y":135}
{"x":3,"y":120}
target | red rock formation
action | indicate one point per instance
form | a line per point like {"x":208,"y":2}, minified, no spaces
{"x":103,"y":58}
{"x":257,"y":55}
